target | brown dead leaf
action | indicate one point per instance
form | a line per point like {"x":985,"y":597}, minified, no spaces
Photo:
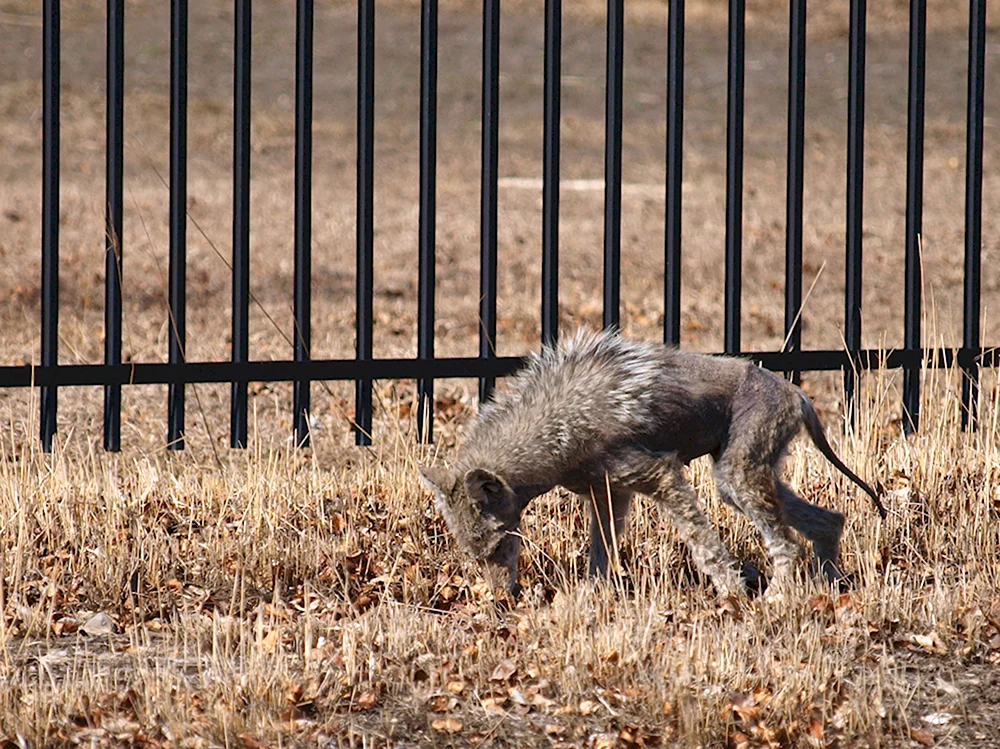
{"x":541,"y":701}
{"x":495,"y":705}
{"x":366,"y":701}
{"x":99,"y":625}
{"x":337,"y":523}
{"x":67,"y":625}
{"x":737,"y":740}
{"x":844,"y":601}
{"x":517,"y":697}
{"x":634,"y":737}
{"x":922,"y":736}
{"x":482,"y":589}
{"x":250,"y":741}
{"x":815,"y":730}
{"x":446,"y":725}
{"x":603,"y":741}
{"x":442,"y":703}
{"x":820,"y":604}
{"x":930,"y":642}
{"x":772,"y":737}
{"x":456,"y":687}
{"x":292,"y":713}
{"x":588,"y":707}
{"x":730,"y":606}
{"x":294,"y":691}
{"x":270,"y":641}
{"x":504,"y":670}
{"x":744,"y":706}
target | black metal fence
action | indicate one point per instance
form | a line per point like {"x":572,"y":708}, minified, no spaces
{"x":364,"y":368}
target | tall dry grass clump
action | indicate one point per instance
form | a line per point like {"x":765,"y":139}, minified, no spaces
{"x":278,"y":596}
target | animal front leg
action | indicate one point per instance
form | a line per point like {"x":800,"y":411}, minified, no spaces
{"x":603,"y":535}
{"x":662,"y":478}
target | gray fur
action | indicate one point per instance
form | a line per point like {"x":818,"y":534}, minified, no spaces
{"x":600,"y":413}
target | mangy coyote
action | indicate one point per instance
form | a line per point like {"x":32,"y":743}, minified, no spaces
{"x":605,"y":418}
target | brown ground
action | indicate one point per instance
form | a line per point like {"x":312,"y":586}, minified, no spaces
{"x":210,"y":143}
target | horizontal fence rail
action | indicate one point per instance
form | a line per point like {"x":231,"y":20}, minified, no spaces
{"x":412,"y":369}
{"x":364,"y":368}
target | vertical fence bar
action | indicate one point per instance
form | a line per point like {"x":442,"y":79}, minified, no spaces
{"x":488,"y":191}
{"x":241,"y":218}
{"x":973,"y":212}
{"x":426,"y":229}
{"x":855,"y":192}
{"x":303,"y":211}
{"x":675,"y":162}
{"x":177,"y":291}
{"x":113,"y":221}
{"x":613,"y":163}
{"x":914,"y":210}
{"x":365,"y":215}
{"x":734,"y":176}
{"x":795,"y":175}
{"x":550,"y":171}
{"x":50,"y":215}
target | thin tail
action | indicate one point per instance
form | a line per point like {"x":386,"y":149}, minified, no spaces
{"x":815,"y":429}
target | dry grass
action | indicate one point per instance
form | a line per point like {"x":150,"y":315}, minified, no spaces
{"x":276,"y":596}
{"x":282,"y":597}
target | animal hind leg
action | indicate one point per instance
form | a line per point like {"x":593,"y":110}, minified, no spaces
{"x":821,"y":526}
{"x":754,"y":491}
{"x":604,"y":536}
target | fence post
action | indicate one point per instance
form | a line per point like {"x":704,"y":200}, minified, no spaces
{"x":241,"y":218}
{"x":365,"y":215}
{"x":488,"y":191}
{"x":303,"y":212}
{"x":914,"y":212}
{"x":177,"y":292}
{"x":613,"y":163}
{"x":734,"y":176}
{"x":113,"y":222}
{"x":973,"y":213}
{"x":550,"y":171}
{"x":427,"y":228}
{"x":675,"y":164}
{"x":50,"y":215}
{"x":795,"y":178}
{"x":855,"y":194}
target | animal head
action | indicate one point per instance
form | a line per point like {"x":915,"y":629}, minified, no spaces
{"x":481,"y":512}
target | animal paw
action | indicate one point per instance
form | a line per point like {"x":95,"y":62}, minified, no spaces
{"x":752,"y":580}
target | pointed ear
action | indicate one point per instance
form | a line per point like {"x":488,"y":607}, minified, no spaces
{"x":441,"y":481}
{"x":484,"y":485}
